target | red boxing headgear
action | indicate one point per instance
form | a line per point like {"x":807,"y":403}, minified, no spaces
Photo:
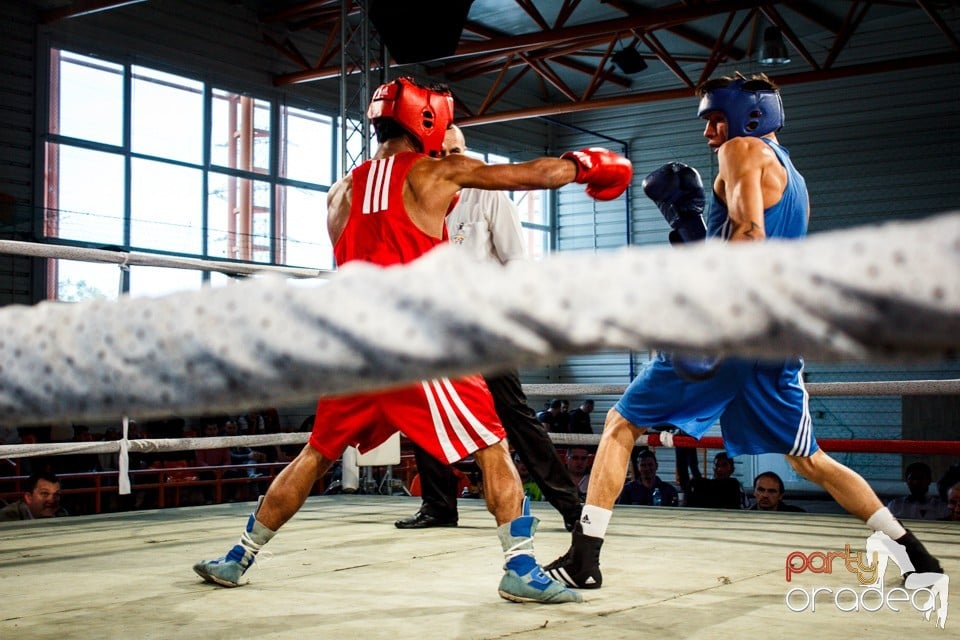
{"x":423,"y":113}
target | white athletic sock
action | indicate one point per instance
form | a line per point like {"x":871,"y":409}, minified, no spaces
{"x":884,"y":521}
{"x":594,"y":520}
{"x":255,"y":536}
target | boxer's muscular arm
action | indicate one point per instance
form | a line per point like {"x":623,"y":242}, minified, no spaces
{"x":739,"y":178}
{"x":752,"y":179}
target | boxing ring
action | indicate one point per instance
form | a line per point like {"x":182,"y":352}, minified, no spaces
{"x":340,"y":569}
{"x":890,"y":293}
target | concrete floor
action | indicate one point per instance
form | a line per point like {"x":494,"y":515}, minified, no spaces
{"x":341,"y":570}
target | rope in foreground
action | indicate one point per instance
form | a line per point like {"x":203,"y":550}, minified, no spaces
{"x":868,"y":294}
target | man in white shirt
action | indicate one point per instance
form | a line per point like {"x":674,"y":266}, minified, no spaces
{"x":486,"y":224}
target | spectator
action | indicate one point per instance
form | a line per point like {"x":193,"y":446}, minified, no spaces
{"x":109,"y":461}
{"x":949,"y":478}
{"x":219,"y":457}
{"x":723,"y":491}
{"x":687,"y":465}
{"x":953,"y":503}
{"x":768,"y":491}
{"x":251,"y":424}
{"x":80,"y":462}
{"x":918,"y":505}
{"x":647,"y":488}
{"x":563,"y":418}
{"x":40,"y":500}
{"x":578,"y":463}
{"x":285,"y":452}
{"x":260,"y":422}
{"x":241,"y":456}
{"x":530,"y":488}
{"x":580,"y":418}
{"x":549,"y":417}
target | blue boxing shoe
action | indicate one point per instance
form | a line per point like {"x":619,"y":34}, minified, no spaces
{"x":227,"y":570}
{"x":523,"y":579}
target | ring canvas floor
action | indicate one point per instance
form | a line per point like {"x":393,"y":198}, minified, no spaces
{"x":340,"y":569}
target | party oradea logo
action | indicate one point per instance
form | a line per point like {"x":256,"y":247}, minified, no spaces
{"x":924,"y":593}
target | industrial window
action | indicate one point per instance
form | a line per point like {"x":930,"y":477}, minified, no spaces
{"x":139,"y":159}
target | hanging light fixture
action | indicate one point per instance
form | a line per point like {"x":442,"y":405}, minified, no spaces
{"x":773,"y":51}
{"x":629,"y":60}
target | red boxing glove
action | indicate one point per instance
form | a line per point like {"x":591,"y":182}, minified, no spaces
{"x":606,"y":174}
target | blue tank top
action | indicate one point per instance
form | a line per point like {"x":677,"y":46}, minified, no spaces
{"x":785,"y":219}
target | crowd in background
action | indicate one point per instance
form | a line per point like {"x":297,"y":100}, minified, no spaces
{"x":184,"y":465}
{"x":41,"y":495}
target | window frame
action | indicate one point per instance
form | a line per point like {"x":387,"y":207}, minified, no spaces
{"x":281,"y":106}
{"x":51,"y":141}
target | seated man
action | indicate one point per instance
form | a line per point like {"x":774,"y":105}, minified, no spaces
{"x":578,"y":463}
{"x":768,"y":492}
{"x":40,"y":500}
{"x":918,"y":505}
{"x":723,"y":491}
{"x":647,"y":488}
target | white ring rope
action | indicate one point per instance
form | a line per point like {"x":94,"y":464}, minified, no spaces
{"x":883,"y":293}
{"x":151,"y":445}
{"x":853,"y":388}
{"x":126,"y":259}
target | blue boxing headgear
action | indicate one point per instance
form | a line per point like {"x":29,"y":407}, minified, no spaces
{"x":749,"y":112}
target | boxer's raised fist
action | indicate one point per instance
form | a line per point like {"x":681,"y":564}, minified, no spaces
{"x":606,"y":174}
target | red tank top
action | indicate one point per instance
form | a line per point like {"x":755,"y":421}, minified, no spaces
{"x":379,"y":229}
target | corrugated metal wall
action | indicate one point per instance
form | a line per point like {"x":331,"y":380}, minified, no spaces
{"x":17,"y":46}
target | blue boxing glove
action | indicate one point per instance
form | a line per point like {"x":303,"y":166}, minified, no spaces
{"x":677,"y":191}
{"x":696,"y":368}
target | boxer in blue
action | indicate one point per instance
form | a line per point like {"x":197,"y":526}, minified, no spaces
{"x":762,"y":406}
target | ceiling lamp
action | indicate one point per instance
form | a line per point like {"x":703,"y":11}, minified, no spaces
{"x":629,"y":61}
{"x":773,"y":51}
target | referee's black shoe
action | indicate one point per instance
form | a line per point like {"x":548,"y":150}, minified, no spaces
{"x":422,"y":520}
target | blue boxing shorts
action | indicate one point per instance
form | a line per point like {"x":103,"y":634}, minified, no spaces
{"x":762,"y":406}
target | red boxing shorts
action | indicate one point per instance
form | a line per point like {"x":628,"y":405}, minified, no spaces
{"x":449,"y":419}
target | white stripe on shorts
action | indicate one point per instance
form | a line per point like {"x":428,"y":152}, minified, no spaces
{"x":804,"y":438}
